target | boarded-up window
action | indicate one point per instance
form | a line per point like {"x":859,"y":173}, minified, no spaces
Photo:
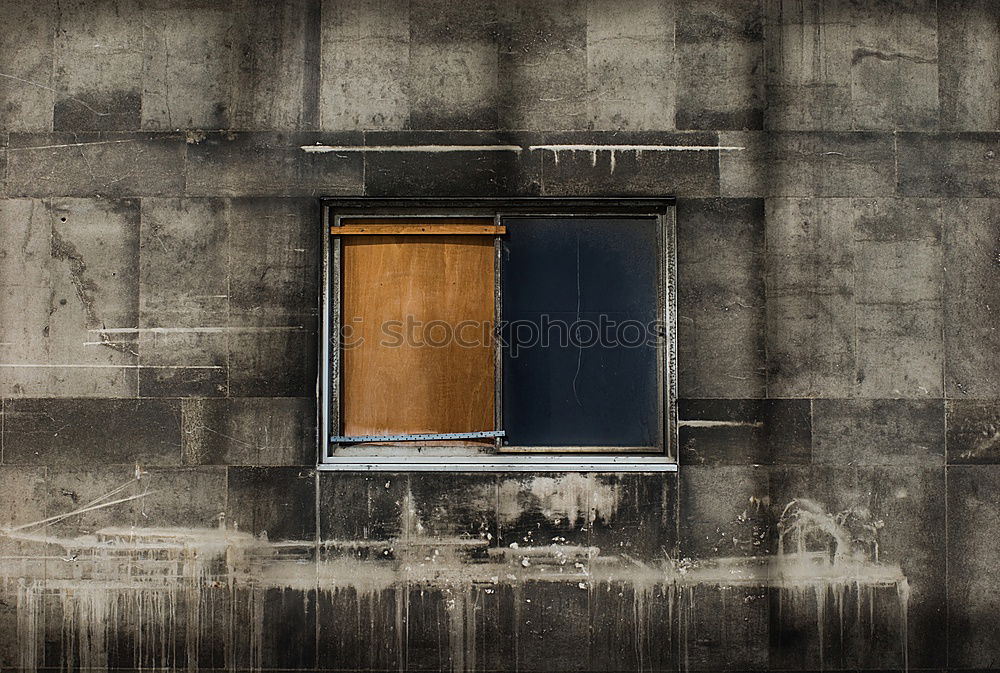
{"x":417,"y":311}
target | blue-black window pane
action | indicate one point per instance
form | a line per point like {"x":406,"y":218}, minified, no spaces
{"x":579,"y":332}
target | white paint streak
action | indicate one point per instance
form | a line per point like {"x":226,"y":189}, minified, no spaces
{"x":720,"y":424}
{"x":19,"y":365}
{"x":183,"y":330}
{"x":324,"y":149}
{"x":637,"y":148}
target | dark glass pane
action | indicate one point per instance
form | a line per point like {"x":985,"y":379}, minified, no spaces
{"x":579,"y":312}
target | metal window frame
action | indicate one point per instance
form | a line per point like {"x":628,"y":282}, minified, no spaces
{"x":406,"y":458}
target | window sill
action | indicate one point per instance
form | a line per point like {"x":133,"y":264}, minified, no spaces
{"x":500,"y":463}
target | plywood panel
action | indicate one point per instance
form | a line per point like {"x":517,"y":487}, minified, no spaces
{"x":403,"y":299}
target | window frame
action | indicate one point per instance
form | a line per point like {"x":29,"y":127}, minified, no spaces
{"x":402,"y":457}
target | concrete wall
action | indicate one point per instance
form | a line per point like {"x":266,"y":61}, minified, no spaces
{"x":839,"y":313}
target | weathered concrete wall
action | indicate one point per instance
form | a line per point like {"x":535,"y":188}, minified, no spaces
{"x":839,"y":313}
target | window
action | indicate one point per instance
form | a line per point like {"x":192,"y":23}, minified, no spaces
{"x":523,"y":334}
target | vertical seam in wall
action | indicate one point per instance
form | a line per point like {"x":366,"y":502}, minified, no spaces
{"x":312,"y":76}
{"x":138,"y":298}
{"x":3,"y":422}
{"x":855,"y":249}
{"x":944,"y":331}
{"x":364,"y":164}
{"x":895,"y":160}
{"x":765,"y":267}
{"x":227,"y":219}
{"x":316,"y":562}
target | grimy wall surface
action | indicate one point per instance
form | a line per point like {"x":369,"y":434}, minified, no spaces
{"x":837,"y":501}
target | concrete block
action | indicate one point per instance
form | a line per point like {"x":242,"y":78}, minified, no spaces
{"x":894,"y":66}
{"x":81,"y":432}
{"x":273,"y":363}
{"x":971,"y":322}
{"x":453,"y":65}
{"x":469,"y":172}
{"x":807,"y":164}
{"x":745,"y":432}
{"x":973,"y":587}
{"x":273,"y":164}
{"x":70,"y":275}
{"x":949,"y":164}
{"x":97,"y":65}
{"x":808,"y":56}
{"x":365,"y":507}
{"x":187,"y":67}
{"x":969,"y":64}
{"x":543,"y":65}
{"x":27,"y":95}
{"x":631,"y":83}
{"x":720,"y":267}
{"x":810,"y":298}
{"x":724,"y":511}
{"x":249,"y":431}
{"x":110,"y":165}
{"x":279,"y":502}
{"x":878,"y":432}
{"x":811,"y":346}
{"x":276,"y":82}
{"x":900,"y":351}
{"x":273,"y":261}
{"x":973,"y":431}
{"x":720,"y":65}
{"x":365,"y":65}
{"x":184,"y":258}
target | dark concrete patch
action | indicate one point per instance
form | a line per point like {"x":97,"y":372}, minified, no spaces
{"x":973,"y":431}
{"x":249,"y":431}
{"x":968,"y":62}
{"x":720,"y":65}
{"x":808,"y":164}
{"x":363,"y":507}
{"x":973,"y":589}
{"x":272,"y":363}
{"x":277,"y":501}
{"x":462,"y":172}
{"x":274,"y":256}
{"x":743,"y":432}
{"x":272,"y":164}
{"x":94,"y":432}
{"x":184,"y":263}
{"x":878,"y":432}
{"x":949,"y":164}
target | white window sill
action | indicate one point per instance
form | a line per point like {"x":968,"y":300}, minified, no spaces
{"x":501,"y":463}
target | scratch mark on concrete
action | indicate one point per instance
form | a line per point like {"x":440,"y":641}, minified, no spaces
{"x":66,"y":145}
{"x":55,"y":91}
